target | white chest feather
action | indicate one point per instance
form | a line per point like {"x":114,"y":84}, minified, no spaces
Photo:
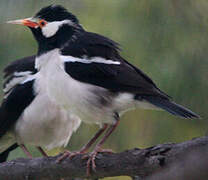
{"x":45,"y":123}
{"x":76,"y":97}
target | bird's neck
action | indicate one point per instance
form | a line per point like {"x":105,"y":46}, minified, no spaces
{"x":42,"y":61}
{"x":63,"y":36}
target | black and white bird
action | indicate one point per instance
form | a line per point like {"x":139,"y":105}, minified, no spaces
{"x":11,"y":79}
{"x":28,"y":112}
{"x":83,"y":73}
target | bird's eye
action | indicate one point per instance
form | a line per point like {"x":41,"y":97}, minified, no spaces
{"x":42,"y":23}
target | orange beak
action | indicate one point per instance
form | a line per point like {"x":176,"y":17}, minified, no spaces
{"x":30,"y":22}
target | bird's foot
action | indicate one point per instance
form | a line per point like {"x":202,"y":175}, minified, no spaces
{"x":65,"y":155}
{"x":91,"y":158}
{"x":69,"y":154}
{"x":73,"y":154}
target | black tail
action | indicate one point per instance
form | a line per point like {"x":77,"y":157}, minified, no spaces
{"x":4,"y":155}
{"x":171,"y":107}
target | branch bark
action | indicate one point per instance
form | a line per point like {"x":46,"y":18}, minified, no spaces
{"x":150,"y":163}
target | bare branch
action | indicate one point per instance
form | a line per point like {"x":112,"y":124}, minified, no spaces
{"x":139,"y":163}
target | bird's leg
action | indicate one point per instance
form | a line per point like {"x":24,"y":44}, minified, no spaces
{"x":42,"y":151}
{"x":91,"y":141}
{"x":25,"y":150}
{"x":97,"y":149}
{"x":85,"y":147}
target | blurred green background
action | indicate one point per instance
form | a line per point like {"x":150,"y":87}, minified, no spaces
{"x":166,"y":39}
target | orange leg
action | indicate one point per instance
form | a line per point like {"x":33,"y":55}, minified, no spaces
{"x":25,"y":150}
{"x":84,"y":148}
{"x":97,"y":149}
{"x":42,"y":151}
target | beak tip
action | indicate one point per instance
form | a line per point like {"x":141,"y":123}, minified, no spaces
{"x":8,"y":22}
{"x":14,"y":22}
{"x":26,"y":22}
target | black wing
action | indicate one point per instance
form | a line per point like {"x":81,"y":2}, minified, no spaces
{"x":7,"y":120}
{"x":18,"y":71}
{"x":92,"y":45}
{"x":18,"y":96}
{"x":122,"y":77}
{"x":20,"y":65}
{"x":4,"y":155}
{"x":15,"y":103}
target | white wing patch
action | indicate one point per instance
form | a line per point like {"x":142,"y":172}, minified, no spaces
{"x":24,"y":73}
{"x":86,"y":60}
{"x":18,"y":77}
{"x":29,"y":78}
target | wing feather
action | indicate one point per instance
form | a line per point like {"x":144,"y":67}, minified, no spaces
{"x":13,"y":106}
{"x":121,"y":76}
{"x":18,"y":96}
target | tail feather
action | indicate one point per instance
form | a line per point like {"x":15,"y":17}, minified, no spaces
{"x":171,"y":107}
{"x":4,"y":155}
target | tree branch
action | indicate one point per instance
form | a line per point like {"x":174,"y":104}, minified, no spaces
{"x":141,"y":163}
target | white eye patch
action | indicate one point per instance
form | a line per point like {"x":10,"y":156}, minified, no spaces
{"x":51,"y":28}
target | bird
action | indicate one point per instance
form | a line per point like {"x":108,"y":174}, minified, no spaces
{"x":84,"y":73}
{"x":10,"y":80}
{"x":45,"y":123}
{"x":14,"y":74}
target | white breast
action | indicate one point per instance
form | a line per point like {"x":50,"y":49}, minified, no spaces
{"x":74,"y":96}
{"x":44,"y":123}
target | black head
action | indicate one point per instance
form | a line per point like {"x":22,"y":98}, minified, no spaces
{"x":56,"y":13}
{"x":52,"y":27}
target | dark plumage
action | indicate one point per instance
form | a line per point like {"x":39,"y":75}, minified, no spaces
{"x":22,"y":95}
{"x":171,"y":107}
{"x":4,"y":155}
{"x":90,"y":44}
{"x":55,"y":13}
{"x":117,"y":78}
{"x":26,"y":64}
{"x":20,"y":65}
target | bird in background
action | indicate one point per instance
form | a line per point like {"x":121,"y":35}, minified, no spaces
{"x":14,"y":74}
{"x":83,"y":73}
{"x":41,"y":116}
{"x":11,"y":79}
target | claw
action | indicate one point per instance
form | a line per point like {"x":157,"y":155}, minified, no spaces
{"x":109,"y":151}
{"x":90,"y":161}
{"x":91,"y":158}
{"x":68,"y":154}
{"x":65,"y":155}
{"x":73,"y":154}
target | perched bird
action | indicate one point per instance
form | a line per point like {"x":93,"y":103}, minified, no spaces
{"x":12,"y":79}
{"x":84,"y":73}
{"x":28,"y":116}
{"x":15,"y":73}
